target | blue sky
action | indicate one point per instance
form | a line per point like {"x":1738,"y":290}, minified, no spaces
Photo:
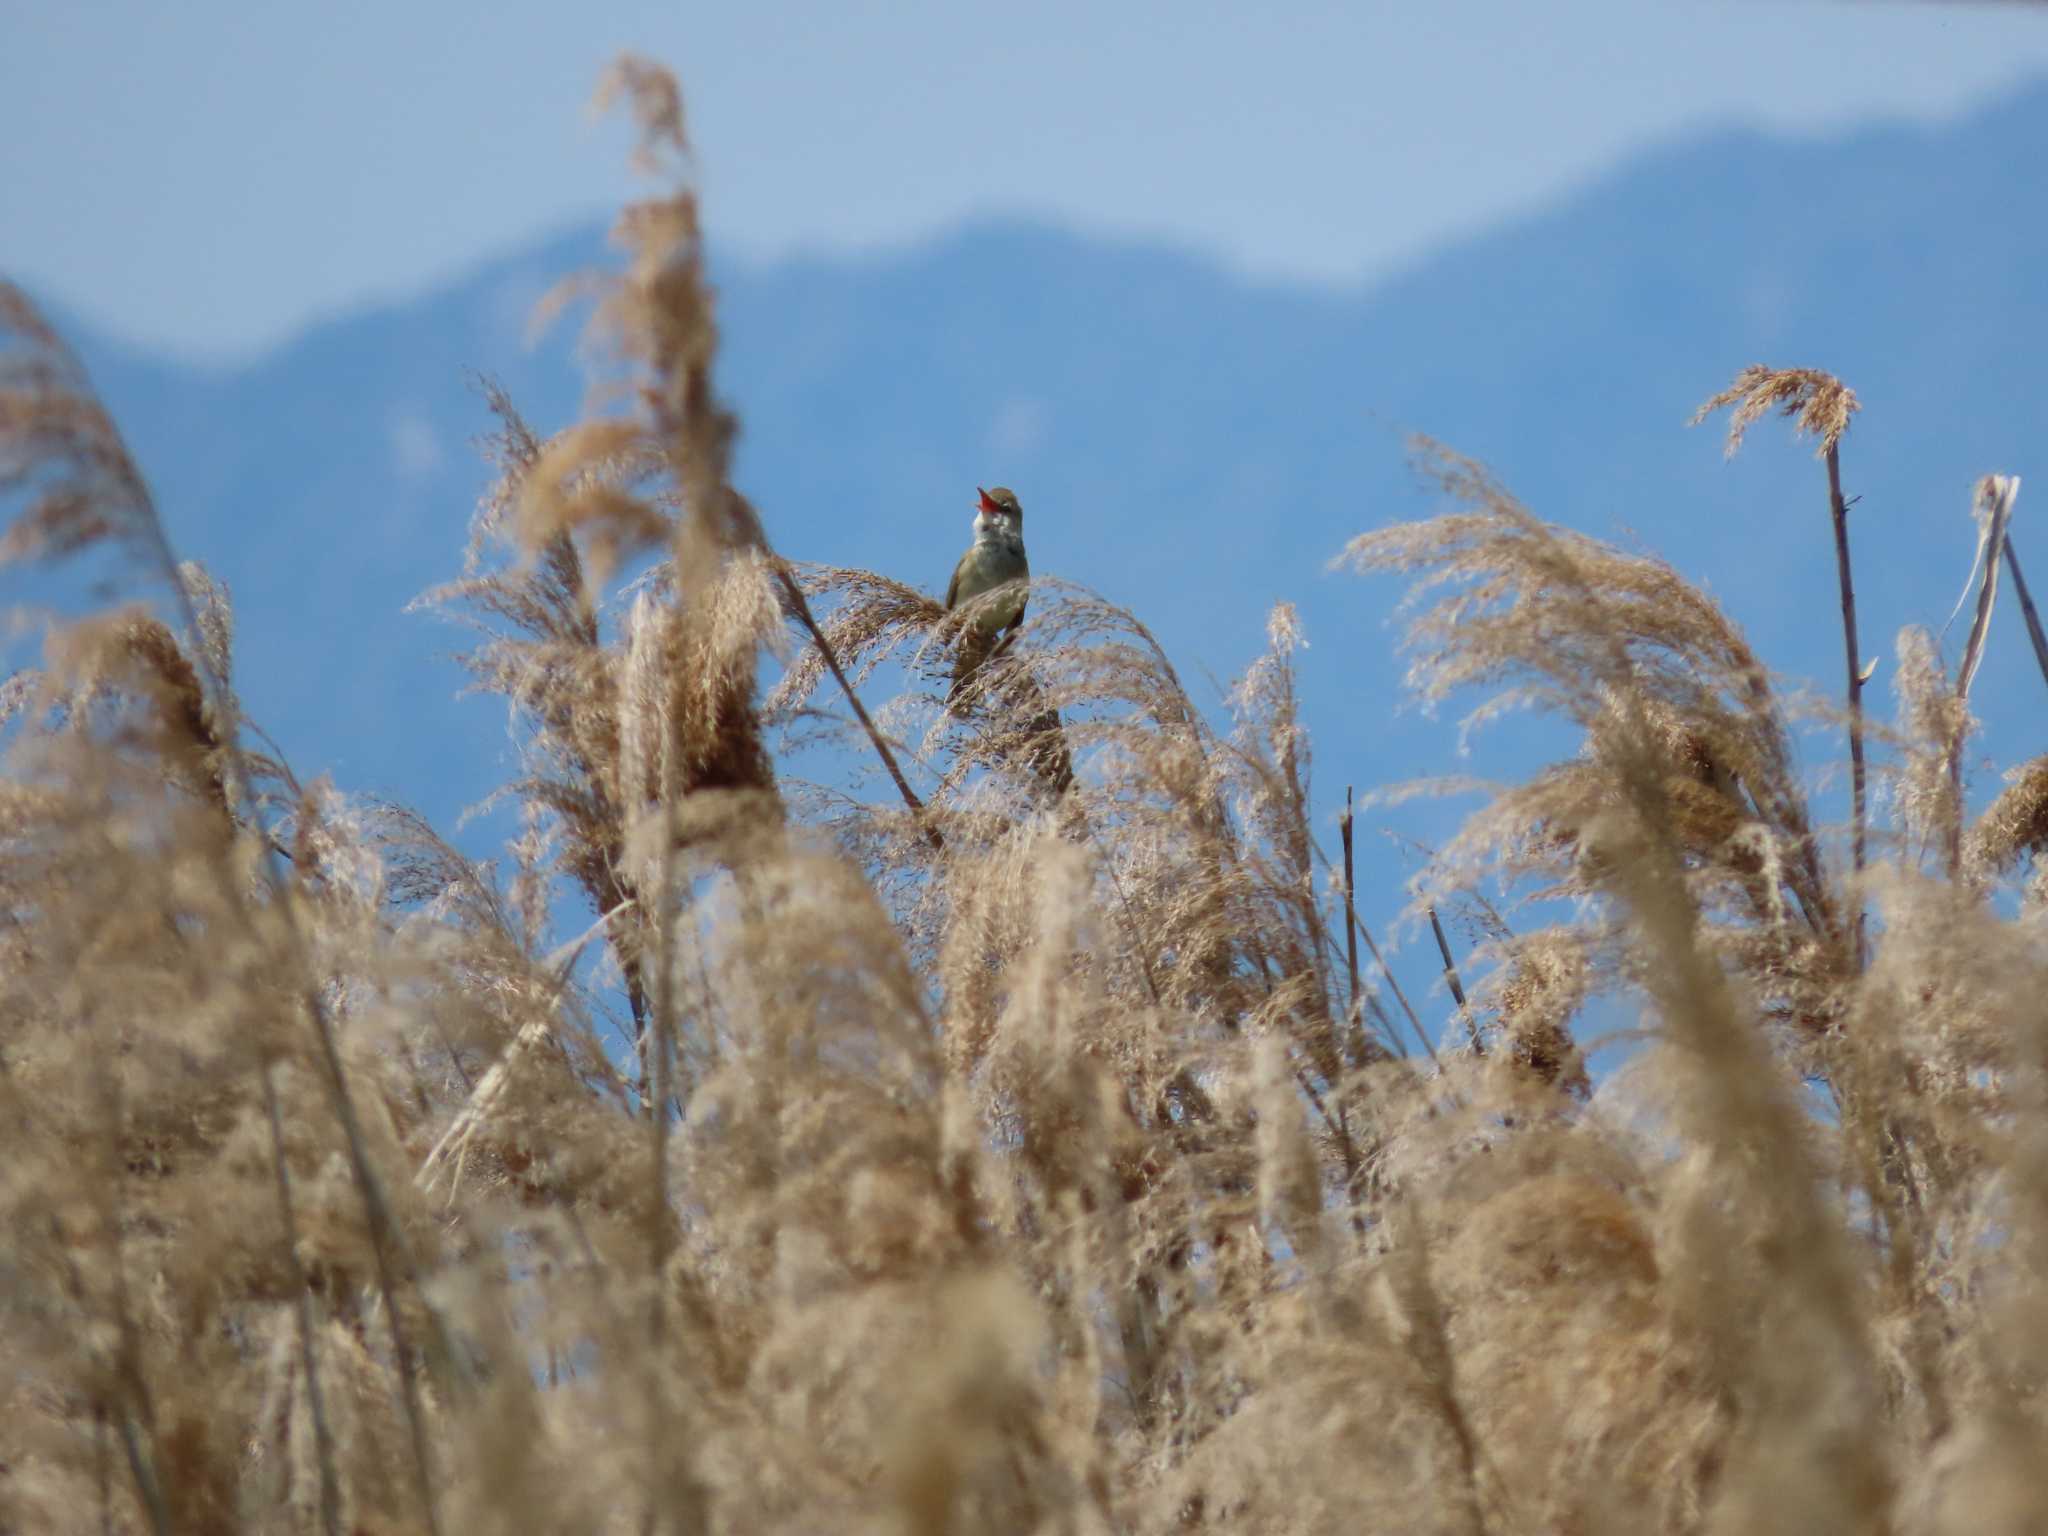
{"x":208,"y":176}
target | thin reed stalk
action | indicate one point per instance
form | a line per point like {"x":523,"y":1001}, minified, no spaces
{"x":1859,"y":772}
{"x":1457,"y":986}
{"x":2035,"y":632}
{"x":1357,"y":990}
{"x":793,"y":594}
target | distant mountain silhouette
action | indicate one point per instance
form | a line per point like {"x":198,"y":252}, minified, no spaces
{"x":1191,"y":443}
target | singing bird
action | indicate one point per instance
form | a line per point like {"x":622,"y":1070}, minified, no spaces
{"x":994,"y":559}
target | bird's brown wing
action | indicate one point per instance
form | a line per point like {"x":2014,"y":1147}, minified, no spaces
{"x":953,"y":586}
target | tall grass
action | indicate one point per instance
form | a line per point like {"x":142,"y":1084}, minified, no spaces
{"x":1029,"y":1147}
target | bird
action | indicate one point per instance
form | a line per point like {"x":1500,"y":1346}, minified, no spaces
{"x":994,"y":560}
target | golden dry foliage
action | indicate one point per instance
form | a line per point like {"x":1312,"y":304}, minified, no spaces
{"x":1818,"y":404}
{"x":1019,"y":1148}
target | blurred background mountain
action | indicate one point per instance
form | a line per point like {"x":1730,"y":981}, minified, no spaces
{"x":1189,"y":442}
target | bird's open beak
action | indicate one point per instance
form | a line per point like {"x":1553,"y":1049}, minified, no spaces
{"x":985,"y":505}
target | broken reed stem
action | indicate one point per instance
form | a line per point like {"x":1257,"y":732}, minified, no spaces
{"x":2027,"y":609}
{"x":1443,"y":947}
{"x":1997,"y":492}
{"x":801,"y":607}
{"x":1839,"y":512}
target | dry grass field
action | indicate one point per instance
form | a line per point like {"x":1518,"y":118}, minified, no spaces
{"x":1037,"y":1142}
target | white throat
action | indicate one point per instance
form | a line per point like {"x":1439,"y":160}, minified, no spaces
{"x":994,"y":531}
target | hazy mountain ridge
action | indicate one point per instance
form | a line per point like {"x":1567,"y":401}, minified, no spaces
{"x":1193,"y":444}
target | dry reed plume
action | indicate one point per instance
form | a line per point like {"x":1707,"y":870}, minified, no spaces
{"x":1040,"y":1144}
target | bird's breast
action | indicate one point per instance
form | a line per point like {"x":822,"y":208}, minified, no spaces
{"x":986,"y":566}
